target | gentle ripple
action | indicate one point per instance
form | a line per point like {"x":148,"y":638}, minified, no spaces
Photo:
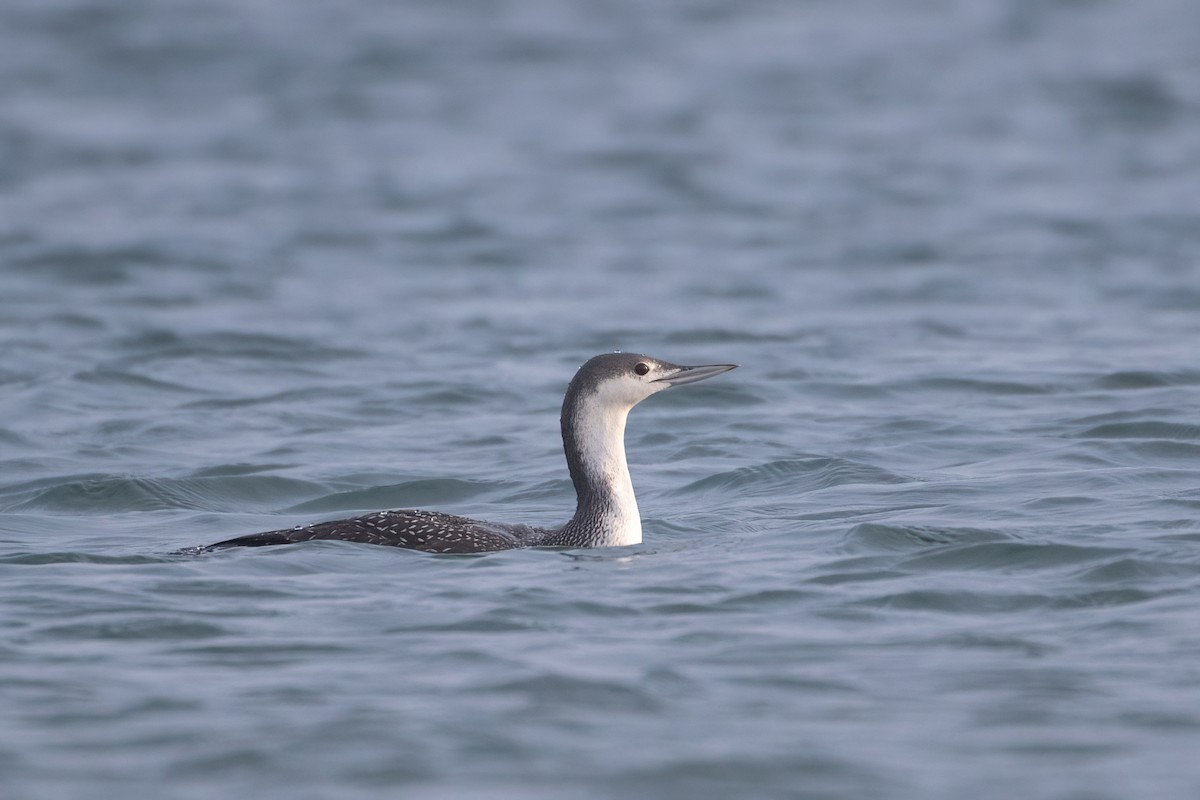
{"x":266,"y":263}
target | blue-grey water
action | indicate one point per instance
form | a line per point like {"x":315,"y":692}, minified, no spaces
{"x":266,"y":262}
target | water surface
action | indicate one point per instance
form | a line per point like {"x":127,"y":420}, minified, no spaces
{"x":264,"y":263}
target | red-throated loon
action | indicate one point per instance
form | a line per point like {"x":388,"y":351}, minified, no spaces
{"x":594,"y":411}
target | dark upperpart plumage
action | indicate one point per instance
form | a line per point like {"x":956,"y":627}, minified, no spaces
{"x":593,"y":422}
{"x":413,"y":529}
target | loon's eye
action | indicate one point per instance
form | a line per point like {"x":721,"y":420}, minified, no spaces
{"x":641,"y":368}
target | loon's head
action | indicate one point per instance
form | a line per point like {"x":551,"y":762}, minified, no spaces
{"x":593,"y":430}
{"x":622,"y":380}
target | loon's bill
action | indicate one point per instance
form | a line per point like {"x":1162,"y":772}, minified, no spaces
{"x":594,"y":411}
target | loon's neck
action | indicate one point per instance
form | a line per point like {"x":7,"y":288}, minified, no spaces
{"x":606,"y":511}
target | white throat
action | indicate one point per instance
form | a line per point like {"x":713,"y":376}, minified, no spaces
{"x":601,"y":440}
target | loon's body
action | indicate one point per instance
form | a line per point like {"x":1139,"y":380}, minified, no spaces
{"x":594,"y":411}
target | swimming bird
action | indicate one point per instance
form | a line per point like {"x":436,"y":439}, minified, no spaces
{"x":594,"y":411}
